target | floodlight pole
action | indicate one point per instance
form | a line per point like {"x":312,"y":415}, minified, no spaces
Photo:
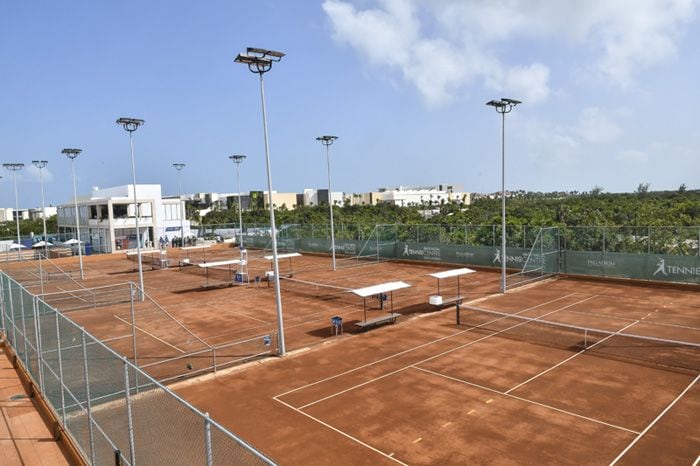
{"x":40,"y":164}
{"x":260,"y":61}
{"x":503,"y":106}
{"x":238,"y":160}
{"x":328,"y":141}
{"x":72,"y":154}
{"x":179,"y":167}
{"x":14,"y":168}
{"x":131,"y":125}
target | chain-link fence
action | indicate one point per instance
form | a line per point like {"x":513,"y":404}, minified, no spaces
{"x":112,"y":410}
{"x":657,"y":253}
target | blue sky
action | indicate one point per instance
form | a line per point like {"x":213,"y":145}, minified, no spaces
{"x":609,"y":90}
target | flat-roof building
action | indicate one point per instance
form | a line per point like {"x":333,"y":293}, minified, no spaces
{"x":108,"y":217}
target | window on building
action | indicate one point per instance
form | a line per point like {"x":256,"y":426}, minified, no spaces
{"x":119,"y":210}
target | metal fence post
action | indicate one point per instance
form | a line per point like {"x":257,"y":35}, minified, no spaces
{"x":37,"y":341}
{"x":207,"y":439}
{"x":133,"y":333}
{"x":127,"y":391}
{"x":87,"y":399}
{"x":12,"y":313}
{"x":60,"y":369}
{"x":24,"y":326}
{"x":2,"y":305}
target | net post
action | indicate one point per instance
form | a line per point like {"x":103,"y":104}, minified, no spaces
{"x":585,"y":339}
{"x":60,"y":370}
{"x":207,"y":439}
{"x":457,"y":313}
{"x":91,"y":434}
{"x":213,"y":357}
{"x":127,"y":392}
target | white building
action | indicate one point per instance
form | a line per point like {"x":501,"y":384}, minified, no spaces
{"x":424,"y":196}
{"x":7,"y":214}
{"x":46,"y":212}
{"x":108,"y":221}
{"x":320,"y":196}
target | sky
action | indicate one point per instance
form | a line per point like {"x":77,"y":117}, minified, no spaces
{"x":609,"y":90}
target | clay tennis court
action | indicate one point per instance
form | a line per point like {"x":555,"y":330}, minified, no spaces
{"x":186,"y":313}
{"x":427,"y":390}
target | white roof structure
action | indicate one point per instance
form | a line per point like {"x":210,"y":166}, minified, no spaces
{"x":451,"y":273}
{"x":381,"y":288}
{"x":220,"y":263}
{"x":146,"y":252}
{"x":189,"y":248}
{"x":283,"y":256}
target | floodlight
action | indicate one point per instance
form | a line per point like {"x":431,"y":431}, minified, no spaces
{"x":327,"y":140}
{"x":130,"y":124}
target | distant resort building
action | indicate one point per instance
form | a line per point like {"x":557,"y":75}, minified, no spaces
{"x":108,"y":217}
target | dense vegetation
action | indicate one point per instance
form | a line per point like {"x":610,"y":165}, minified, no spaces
{"x":643,"y":208}
{"x":26,"y":227}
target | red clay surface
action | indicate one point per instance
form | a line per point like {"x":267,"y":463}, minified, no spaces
{"x":425,"y":390}
{"x":24,"y":437}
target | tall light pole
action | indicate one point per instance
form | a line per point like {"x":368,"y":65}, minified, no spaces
{"x":503,"y":106}
{"x":14,"y":168}
{"x":179,"y":167}
{"x":40,"y":164}
{"x":260,"y":61}
{"x":131,"y":125}
{"x":72,"y":154}
{"x":328,"y":141}
{"x":238,"y":160}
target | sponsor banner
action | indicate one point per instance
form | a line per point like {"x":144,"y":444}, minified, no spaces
{"x":661,"y":267}
{"x":485,"y":256}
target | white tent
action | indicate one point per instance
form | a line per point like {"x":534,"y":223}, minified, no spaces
{"x":41,"y":244}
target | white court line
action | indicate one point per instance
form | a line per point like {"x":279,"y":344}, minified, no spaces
{"x":554,"y":408}
{"x":436,"y":355}
{"x":569,"y":358}
{"x":150,"y":334}
{"x":391,"y":456}
{"x":648,"y":322}
{"x":400,"y":353}
{"x":641,"y":434}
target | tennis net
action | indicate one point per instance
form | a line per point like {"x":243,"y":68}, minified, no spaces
{"x":625,"y":346}
{"x":319,"y":291}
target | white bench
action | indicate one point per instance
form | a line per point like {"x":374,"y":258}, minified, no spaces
{"x":385,"y":319}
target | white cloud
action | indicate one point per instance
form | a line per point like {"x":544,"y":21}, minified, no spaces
{"x":442,"y":46}
{"x":633,"y":156}
{"x":33,"y":173}
{"x":596,"y":127}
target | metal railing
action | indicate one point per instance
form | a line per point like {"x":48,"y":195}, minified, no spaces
{"x":110,"y":408}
